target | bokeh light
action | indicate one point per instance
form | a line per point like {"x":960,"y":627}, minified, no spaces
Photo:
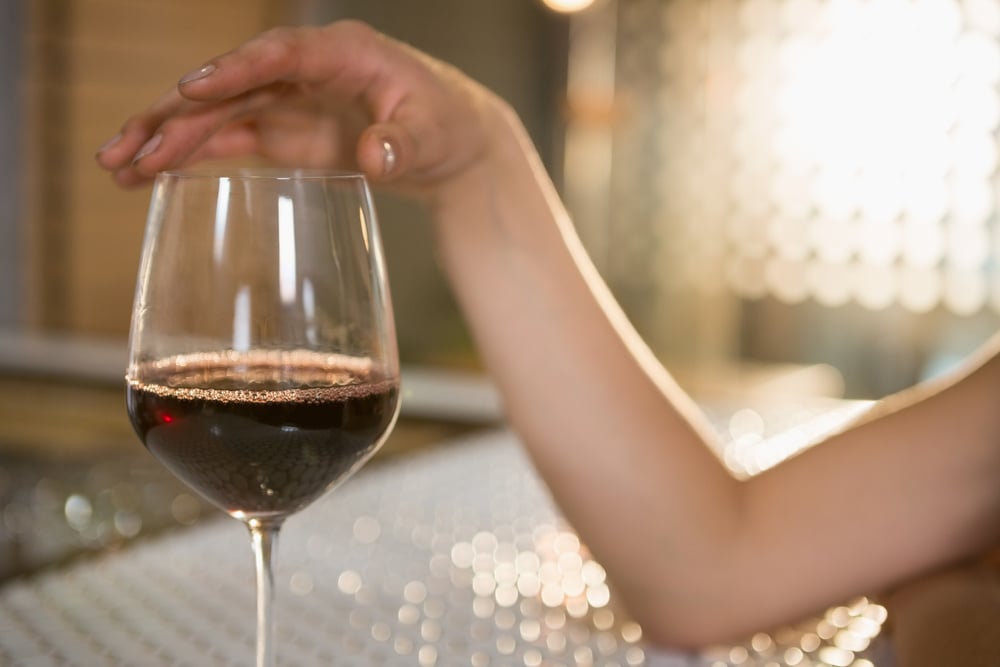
{"x":845,"y":151}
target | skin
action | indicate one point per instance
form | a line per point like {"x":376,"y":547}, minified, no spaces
{"x":696,"y":555}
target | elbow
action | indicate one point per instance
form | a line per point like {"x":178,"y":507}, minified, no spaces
{"x":710,"y":619}
{"x":699,"y":618}
{"x":688,"y":633}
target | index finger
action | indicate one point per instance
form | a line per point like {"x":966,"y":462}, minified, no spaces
{"x":346,"y":58}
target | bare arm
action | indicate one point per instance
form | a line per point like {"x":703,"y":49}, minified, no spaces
{"x":699,"y":556}
{"x":696,"y":555}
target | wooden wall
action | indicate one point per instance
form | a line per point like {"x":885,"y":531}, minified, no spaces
{"x":11,"y":298}
{"x":88,"y":65}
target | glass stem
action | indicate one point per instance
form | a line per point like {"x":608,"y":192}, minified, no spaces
{"x":264,"y":534}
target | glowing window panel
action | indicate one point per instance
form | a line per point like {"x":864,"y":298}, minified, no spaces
{"x":829,"y":283}
{"x":840,"y":151}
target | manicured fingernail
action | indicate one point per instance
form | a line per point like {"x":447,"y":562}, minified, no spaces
{"x":109,"y":143}
{"x":388,"y":157}
{"x":199,"y":73}
{"x":148,"y":147}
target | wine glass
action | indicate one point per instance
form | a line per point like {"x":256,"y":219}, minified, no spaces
{"x":262,"y":366}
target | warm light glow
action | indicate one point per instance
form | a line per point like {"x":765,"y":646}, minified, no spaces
{"x":885,"y":118}
{"x":857,"y":149}
{"x":559,"y":573}
{"x":567,"y":6}
{"x":754,"y":445}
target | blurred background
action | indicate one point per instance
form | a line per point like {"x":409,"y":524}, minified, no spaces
{"x":788,"y":196}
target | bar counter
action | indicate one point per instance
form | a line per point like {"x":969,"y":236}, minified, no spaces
{"x":451,"y":553}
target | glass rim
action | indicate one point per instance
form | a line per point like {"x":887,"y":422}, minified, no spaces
{"x":261,"y":173}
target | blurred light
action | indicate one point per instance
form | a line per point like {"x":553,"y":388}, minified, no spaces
{"x":836,"y":657}
{"x":923,"y":244}
{"x":367,"y":529}
{"x":875,"y":286}
{"x":349,"y":582}
{"x":746,"y":422}
{"x":810,"y":642}
{"x":829,"y":283}
{"x":920,"y":289}
{"x":127,"y":523}
{"x":79,"y":511}
{"x":761,"y":642}
{"x":793,"y":656}
{"x":965,"y":291}
{"x":185,"y":509}
{"x":567,"y":6}
{"x":786,"y":279}
{"x":302,"y":583}
{"x":846,"y":150}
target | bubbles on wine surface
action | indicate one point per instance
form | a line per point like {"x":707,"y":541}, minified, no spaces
{"x":255,"y":375}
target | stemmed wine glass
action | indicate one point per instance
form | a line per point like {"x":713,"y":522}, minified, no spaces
{"x":262,"y":367}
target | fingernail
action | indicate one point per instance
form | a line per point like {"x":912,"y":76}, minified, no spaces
{"x":388,"y":157}
{"x":148,"y":147}
{"x":199,"y":73}
{"x":109,"y":143}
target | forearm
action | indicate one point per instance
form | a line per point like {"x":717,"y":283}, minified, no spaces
{"x":618,"y":443}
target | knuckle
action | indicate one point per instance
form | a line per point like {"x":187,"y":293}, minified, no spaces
{"x":169,"y":125}
{"x":138,"y":122}
{"x":354,"y":27}
{"x":353,"y":31}
{"x":280,"y":43}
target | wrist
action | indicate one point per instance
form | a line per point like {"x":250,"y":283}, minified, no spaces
{"x":496,"y":134}
{"x":503,"y":196}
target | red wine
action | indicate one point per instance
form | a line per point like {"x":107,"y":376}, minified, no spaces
{"x":262,"y":433}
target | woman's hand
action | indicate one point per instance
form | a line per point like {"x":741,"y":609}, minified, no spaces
{"x":338,"y":96}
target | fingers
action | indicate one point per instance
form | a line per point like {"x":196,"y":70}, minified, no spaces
{"x":121,"y":149}
{"x":339,"y":53}
{"x":267,"y":58}
{"x":233,"y":140}
{"x":174,"y":125}
{"x":359,"y":100}
{"x":237,"y":83}
{"x":174,"y":130}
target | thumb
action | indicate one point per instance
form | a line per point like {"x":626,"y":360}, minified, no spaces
{"x":385,"y":152}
